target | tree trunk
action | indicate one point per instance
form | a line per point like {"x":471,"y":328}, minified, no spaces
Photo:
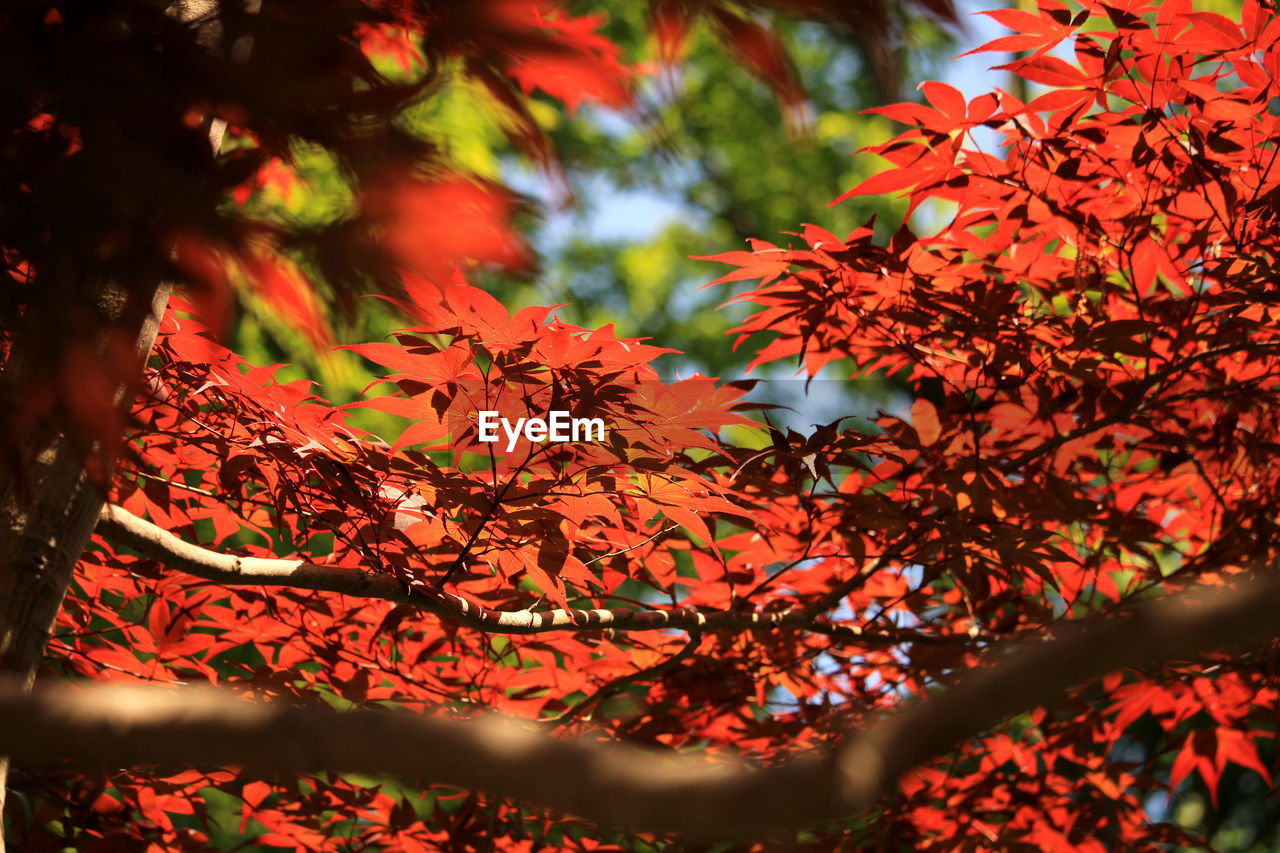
{"x":47,"y":517}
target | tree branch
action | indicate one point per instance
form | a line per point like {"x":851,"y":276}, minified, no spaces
{"x":1181,"y":627}
{"x":614,"y":785}
{"x":125,"y":726}
{"x":122,"y":527}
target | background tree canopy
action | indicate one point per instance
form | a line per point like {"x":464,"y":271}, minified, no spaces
{"x":715,"y":152}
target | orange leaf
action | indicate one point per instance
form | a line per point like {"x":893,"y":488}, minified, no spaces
{"x":286,"y":290}
{"x":925,"y":418}
{"x":432,"y":225}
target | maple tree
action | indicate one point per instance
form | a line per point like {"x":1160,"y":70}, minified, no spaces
{"x":1031,"y":597}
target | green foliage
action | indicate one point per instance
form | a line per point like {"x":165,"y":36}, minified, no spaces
{"x":720,"y":152}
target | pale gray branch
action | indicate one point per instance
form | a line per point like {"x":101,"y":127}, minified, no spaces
{"x":122,"y":527}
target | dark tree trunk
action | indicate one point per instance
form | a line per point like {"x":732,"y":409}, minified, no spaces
{"x":48,"y":511}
